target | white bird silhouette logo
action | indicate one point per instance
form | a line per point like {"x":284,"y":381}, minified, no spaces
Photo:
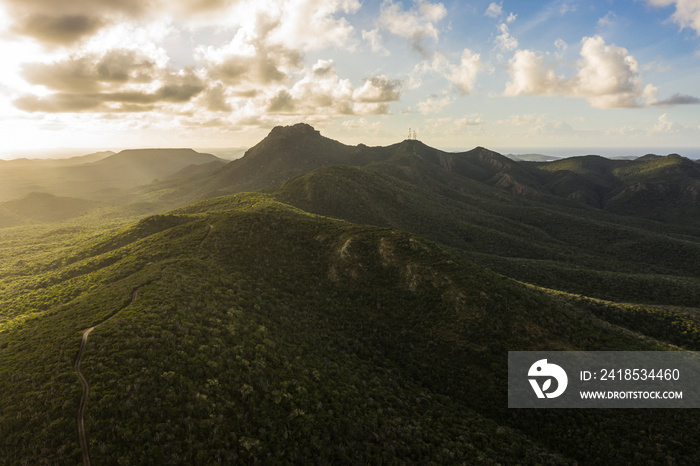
{"x":542,"y":368}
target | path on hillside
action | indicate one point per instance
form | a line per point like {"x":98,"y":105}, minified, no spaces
{"x":82,"y":434}
{"x":211,"y":227}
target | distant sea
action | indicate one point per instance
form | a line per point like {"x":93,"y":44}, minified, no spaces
{"x":689,"y":152}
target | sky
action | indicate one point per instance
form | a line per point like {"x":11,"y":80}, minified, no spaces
{"x":116,"y":74}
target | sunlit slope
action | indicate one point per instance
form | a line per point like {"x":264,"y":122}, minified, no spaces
{"x":102,"y":179}
{"x":43,"y":208}
{"x":262,"y":333}
{"x":286,"y":152}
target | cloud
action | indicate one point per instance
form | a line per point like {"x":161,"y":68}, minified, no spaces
{"x":607,"y":76}
{"x":91,"y":72}
{"x":375,"y":40}
{"x":664,"y":124}
{"x":494,"y":10}
{"x":321,"y":92}
{"x":216,"y":99}
{"x":567,"y":8}
{"x":687,"y":12}
{"x":309,"y":24}
{"x":433,"y":105}
{"x":532,"y":75}
{"x":60,"y":29}
{"x":473,"y":120}
{"x":416,"y":25}
{"x":678,"y":99}
{"x":505,"y":41}
{"x":282,"y":102}
{"x":65,"y":22}
{"x":608,"y":19}
{"x":260,"y":66}
{"x":271,"y":41}
{"x":462,"y":76}
{"x":118,"y":81}
{"x":378,"y":89}
{"x":362,"y":124}
{"x":302,"y":24}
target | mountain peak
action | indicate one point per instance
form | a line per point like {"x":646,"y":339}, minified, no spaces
{"x":298,"y":129}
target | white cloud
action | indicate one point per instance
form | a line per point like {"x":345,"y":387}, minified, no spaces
{"x":311,"y":24}
{"x":494,"y":10}
{"x":416,"y":24}
{"x":608,"y":19}
{"x":433,"y":105}
{"x":471,"y":120}
{"x":511,"y":18}
{"x":608,"y":77}
{"x":462,"y":76}
{"x":663,"y":124}
{"x":361,"y":123}
{"x":567,"y":8}
{"x":523,"y":120}
{"x":321,"y":92}
{"x":375,"y":41}
{"x":505,"y":41}
{"x":531,"y":74}
{"x":378,"y":89}
{"x":687,"y":12}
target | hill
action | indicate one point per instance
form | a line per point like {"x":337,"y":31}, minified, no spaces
{"x":102,"y":177}
{"x":577,"y":250}
{"x":274,"y":335}
{"x":286,"y":152}
{"x":46,"y":162}
{"x":43,"y":208}
{"x":665,"y":188}
{"x":646,"y":187}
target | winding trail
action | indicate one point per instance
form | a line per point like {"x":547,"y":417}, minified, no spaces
{"x":82,"y":436}
{"x":211,"y":227}
{"x":82,"y":433}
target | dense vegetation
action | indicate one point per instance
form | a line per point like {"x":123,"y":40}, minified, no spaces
{"x":353,"y":315}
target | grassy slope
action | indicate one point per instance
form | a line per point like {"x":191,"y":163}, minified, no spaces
{"x":283,"y":336}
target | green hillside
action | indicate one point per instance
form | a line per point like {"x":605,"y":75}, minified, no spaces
{"x":578,"y":250}
{"x":273,"y":335}
{"x":43,"y":208}
{"x":665,"y":188}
